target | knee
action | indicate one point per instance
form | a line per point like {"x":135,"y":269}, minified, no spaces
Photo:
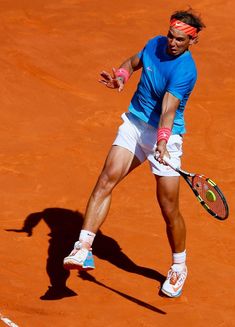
{"x":106,"y":182}
{"x":172,"y":216}
{"x":170,"y":210}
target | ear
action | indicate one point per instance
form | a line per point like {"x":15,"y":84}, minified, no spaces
{"x":193,"y":40}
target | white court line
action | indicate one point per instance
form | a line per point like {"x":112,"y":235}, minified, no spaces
{"x":7,"y":321}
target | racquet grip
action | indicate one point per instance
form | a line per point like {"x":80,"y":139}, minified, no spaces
{"x":169,"y":163}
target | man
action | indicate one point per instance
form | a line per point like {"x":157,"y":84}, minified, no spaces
{"x":152,"y":129}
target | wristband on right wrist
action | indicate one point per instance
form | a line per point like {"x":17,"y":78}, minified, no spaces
{"x":163,"y":133}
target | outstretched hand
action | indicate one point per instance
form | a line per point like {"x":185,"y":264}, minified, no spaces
{"x":112,"y":82}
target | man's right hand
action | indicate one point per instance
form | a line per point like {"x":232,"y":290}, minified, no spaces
{"x":161,"y":151}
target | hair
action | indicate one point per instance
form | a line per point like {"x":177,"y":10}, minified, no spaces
{"x":189,"y":17}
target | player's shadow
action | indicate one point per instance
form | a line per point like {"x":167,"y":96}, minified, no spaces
{"x":65,"y":226}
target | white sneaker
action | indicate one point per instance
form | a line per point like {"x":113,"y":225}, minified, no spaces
{"x":80,"y":258}
{"x":174,"y":282}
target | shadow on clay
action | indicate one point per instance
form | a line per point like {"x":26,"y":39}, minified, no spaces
{"x":65,"y":226}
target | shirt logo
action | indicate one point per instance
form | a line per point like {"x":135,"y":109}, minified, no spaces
{"x":149,"y":68}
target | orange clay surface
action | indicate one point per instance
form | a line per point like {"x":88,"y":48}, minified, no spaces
{"x":57,"y":124}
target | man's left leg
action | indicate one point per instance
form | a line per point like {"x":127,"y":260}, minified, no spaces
{"x":168,"y":199}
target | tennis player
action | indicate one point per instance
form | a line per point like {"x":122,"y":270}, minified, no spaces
{"x":154,"y":124}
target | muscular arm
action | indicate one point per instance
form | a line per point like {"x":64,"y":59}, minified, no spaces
{"x":169,"y":106}
{"x":131,"y":64}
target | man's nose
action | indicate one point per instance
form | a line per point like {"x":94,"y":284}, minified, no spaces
{"x":173,"y":41}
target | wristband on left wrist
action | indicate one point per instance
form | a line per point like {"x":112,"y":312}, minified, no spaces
{"x":122,"y":72}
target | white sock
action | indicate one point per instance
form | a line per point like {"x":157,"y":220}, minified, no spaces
{"x":179,"y":260}
{"x":86,"y":236}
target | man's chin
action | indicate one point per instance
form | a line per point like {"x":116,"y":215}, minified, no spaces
{"x":173,"y":52}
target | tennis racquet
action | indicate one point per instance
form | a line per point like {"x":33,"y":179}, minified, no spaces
{"x":206,"y":191}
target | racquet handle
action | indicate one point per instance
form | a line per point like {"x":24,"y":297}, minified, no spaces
{"x":169,"y":163}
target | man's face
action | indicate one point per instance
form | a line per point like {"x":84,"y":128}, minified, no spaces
{"x":178,"y":42}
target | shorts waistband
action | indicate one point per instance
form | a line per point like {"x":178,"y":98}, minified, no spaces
{"x":141,"y":122}
{"x":133,"y":117}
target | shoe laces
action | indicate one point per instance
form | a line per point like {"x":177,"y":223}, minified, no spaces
{"x":79,"y":251}
{"x":76,"y":248}
{"x":77,"y":245}
{"x":175,"y":276}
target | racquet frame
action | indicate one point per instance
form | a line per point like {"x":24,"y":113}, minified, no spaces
{"x":188,"y":177}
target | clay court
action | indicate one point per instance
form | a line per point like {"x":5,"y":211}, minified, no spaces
{"x":57,"y":124}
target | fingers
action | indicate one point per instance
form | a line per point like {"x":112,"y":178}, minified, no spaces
{"x":112,"y":82}
{"x":106,"y":83}
{"x":109,"y":84}
{"x":159,"y":156}
{"x":106,"y":76}
{"x":107,"y":79}
{"x":114,"y":73}
{"x":156,"y":154}
{"x":160,"y":153}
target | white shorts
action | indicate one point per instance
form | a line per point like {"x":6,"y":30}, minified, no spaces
{"x":140,"y":139}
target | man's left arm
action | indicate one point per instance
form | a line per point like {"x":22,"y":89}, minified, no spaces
{"x":121,"y":75}
{"x":169,"y":106}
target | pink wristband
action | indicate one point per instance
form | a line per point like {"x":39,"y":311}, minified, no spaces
{"x":122,"y":72}
{"x":163,"y":133}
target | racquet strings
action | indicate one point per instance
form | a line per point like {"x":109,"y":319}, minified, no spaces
{"x":211,"y":195}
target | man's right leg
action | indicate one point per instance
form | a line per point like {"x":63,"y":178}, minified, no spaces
{"x":119,"y":163}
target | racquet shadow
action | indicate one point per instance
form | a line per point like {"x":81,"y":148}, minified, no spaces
{"x":65,"y":226}
{"x":85,"y":276}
